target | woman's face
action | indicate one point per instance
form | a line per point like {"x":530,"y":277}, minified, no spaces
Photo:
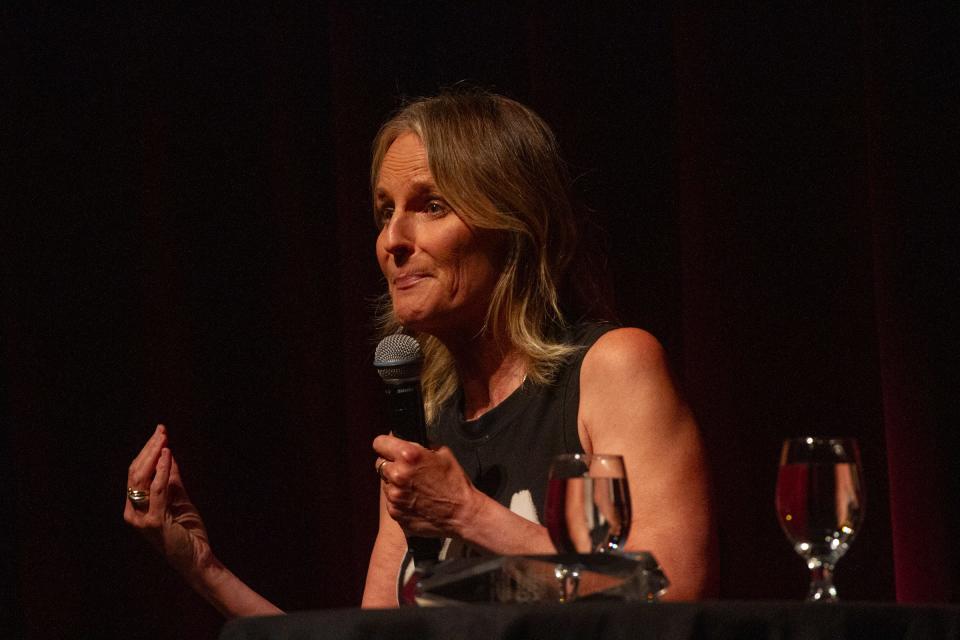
{"x":440,"y":272}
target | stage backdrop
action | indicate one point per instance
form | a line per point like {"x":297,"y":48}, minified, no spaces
{"x":189,"y":241}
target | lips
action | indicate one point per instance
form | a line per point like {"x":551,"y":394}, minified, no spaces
{"x":408,"y":280}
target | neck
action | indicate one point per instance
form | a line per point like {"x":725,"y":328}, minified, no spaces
{"x":489,"y":372}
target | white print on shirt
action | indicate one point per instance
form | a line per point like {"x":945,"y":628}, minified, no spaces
{"x":521,"y":503}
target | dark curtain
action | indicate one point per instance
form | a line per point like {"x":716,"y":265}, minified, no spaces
{"x":188,"y":240}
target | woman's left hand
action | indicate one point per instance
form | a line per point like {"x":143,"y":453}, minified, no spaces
{"x":427,"y":491}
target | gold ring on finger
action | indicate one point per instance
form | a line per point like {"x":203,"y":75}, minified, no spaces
{"x":139,"y":498}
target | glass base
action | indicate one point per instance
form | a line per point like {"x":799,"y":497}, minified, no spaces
{"x":519,"y":579}
{"x":821,"y":582}
{"x":822,"y":593}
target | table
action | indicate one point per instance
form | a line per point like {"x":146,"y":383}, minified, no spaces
{"x":614,"y":621}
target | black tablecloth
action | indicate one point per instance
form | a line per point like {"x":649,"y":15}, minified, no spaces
{"x":613,"y":621}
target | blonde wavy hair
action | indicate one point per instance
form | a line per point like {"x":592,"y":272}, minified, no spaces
{"x":498,"y":165}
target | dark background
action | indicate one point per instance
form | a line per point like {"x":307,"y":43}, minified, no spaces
{"x":188,"y":239}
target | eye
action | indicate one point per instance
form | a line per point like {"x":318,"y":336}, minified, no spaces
{"x":437,"y":207}
{"x":382,"y":215}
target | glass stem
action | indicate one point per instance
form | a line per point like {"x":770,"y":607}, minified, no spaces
{"x":569,"y":579}
{"x":821,"y":582}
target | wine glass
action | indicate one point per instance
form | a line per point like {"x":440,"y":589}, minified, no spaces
{"x":587,"y":511}
{"x":820,"y":504}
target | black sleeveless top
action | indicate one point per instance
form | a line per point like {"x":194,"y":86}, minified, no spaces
{"x":506,"y":452}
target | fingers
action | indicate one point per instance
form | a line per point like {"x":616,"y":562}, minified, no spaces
{"x":392,"y":448}
{"x":397,"y":473}
{"x":175,"y":480}
{"x":141,"y":475}
{"x":392,"y":472}
{"x":393,"y":453}
{"x":400,"y":461}
{"x":158,"y":488}
{"x":142,"y":469}
{"x":398,"y":502}
{"x":379,"y":465}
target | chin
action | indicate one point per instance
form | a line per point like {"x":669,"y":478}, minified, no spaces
{"x":421,"y":322}
{"x":415,"y":320}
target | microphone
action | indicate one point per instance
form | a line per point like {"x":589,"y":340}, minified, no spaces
{"x":398,"y":359}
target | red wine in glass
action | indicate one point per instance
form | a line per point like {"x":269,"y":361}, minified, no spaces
{"x":820,"y":504}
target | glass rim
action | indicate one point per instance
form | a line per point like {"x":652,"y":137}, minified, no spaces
{"x":821,"y":439}
{"x":843,"y":447}
{"x":597,"y":465}
{"x":586,"y":456}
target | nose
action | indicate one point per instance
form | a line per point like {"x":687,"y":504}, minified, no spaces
{"x":397,"y":236}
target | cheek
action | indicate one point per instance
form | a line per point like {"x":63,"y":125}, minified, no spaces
{"x":381,"y":254}
{"x":476,"y":276}
{"x":487,"y":258}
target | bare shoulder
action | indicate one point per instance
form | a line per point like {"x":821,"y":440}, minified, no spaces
{"x":626,"y":388}
{"x":621,"y":355}
{"x":624,"y":350}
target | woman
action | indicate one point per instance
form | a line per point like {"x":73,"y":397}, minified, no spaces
{"x":477,"y":238}
{"x":478,"y":244}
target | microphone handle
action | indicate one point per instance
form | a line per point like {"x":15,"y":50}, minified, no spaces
{"x":406,"y":411}
{"x":406,"y":416}
{"x":425,"y":551}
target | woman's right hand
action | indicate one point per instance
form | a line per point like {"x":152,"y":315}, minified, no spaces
{"x":169,"y":520}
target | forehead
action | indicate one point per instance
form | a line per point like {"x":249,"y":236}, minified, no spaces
{"x":404,"y":164}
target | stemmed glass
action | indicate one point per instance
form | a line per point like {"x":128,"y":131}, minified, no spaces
{"x":820,"y":504}
{"x":587,"y":511}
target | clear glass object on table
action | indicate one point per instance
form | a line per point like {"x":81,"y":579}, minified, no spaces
{"x":820,"y":504}
{"x":626,"y":577}
{"x":587,"y":511}
{"x":588,"y":515}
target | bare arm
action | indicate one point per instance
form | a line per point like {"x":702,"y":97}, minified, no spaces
{"x":428,"y":493}
{"x":173,"y":525}
{"x":629,"y":406}
{"x":380,"y":588}
{"x":230,"y":595}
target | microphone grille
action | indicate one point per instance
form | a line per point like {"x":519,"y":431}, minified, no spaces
{"x":398,"y":357}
